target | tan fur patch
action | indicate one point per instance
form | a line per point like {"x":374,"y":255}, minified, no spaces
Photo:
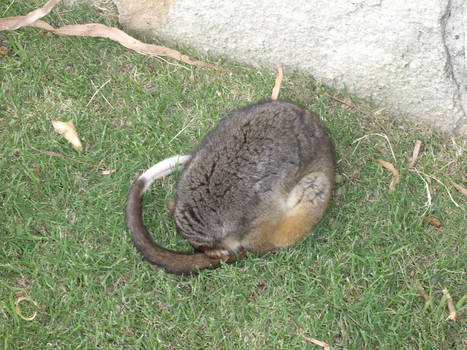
{"x":292,"y":229}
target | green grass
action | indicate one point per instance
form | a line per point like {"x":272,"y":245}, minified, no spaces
{"x":64,"y":245}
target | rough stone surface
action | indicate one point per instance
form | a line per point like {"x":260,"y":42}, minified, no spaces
{"x":408,"y":56}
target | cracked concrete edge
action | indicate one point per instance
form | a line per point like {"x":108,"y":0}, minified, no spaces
{"x":453,"y":28}
{"x":465,"y":31}
{"x":447,"y":27}
{"x":461,"y":127}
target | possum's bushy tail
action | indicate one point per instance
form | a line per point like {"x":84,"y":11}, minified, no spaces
{"x":173,"y":262}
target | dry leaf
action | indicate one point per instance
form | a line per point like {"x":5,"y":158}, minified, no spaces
{"x":68,"y":131}
{"x":415,"y":152}
{"x":452,"y":309}
{"x":433,"y":222}
{"x":3,"y":50}
{"x":421,"y":291}
{"x":393,"y":170}
{"x":108,"y":172}
{"x":277,"y":84}
{"x":32,"y":19}
{"x":460,"y":188}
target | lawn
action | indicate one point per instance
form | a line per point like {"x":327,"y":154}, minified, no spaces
{"x":352,"y":283}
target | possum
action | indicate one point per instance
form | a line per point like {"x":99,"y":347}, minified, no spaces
{"x":259,"y":181}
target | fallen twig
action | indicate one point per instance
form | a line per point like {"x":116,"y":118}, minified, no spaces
{"x":446,"y":188}
{"x":392,"y":169}
{"x":32,"y":19}
{"x":97,"y":91}
{"x":421,"y":291}
{"x":313,"y":340}
{"x":54,"y":154}
{"x":108,"y":172}
{"x":427,"y":188}
{"x":374,"y":134}
{"x":277,"y":84}
{"x":351,"y":105}
{"x":452,"y":309}
{"x":415,"y":152}
{"x":437,"y":180}
{"x":12,"y":23}
{"x":181,"y":130}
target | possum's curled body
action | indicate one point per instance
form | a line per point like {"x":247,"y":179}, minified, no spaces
{"x":257,"y":182}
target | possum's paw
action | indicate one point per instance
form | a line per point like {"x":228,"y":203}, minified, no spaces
{"x":218,"y":254}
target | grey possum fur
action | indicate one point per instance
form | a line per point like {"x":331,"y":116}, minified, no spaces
{"x":259,"y":181}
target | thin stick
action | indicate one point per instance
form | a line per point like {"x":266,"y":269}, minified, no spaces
{"x":368,"y":115}
{"x":54,"y":154}
{"x":375,"y":134}
{"x":32,"y":19}
{"x":8,"y":7}
{"x":428,"y":194}
{"x":182,"y":130}
{"x":421,"y":291}
{"x":392,"y":169}
{"x":415,"y":152}
{"x":446,"y":188}
{"x":452,"y":309}
{"x":97,"y":91}
{"x":277,"y":84}
{"x":12,"y":23}
{"x":312,"y":340}
{"x":159,"y":58}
